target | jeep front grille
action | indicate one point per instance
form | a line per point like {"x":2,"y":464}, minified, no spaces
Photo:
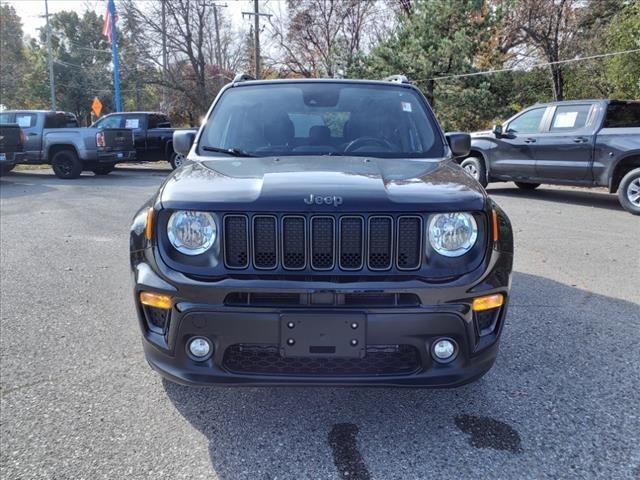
{"x":323,"y":242}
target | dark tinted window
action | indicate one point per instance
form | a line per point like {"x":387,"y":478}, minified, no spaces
{"x":159,"y":121}
{"x":570,"y":117}
{"x":323,"y":119}
{"x":60,"y":120}
{"x":623,"y":115}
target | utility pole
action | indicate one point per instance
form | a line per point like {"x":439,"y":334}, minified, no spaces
{"x":218,"y":47}
{"x":52,"y":80}
{"x":256,"y":25}
{"x":164,"y":55}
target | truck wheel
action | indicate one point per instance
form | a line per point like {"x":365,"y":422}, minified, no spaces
{"x":66,"y":164}
{"x":474,"y":166}
{"x":103,"y":169}
{"x":527,"y":186}
{"x":177,"y":160}
{"x":4,"y":169}
{"x":629,"y":192}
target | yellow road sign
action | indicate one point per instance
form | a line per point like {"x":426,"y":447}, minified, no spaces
{"x":96,"y":106}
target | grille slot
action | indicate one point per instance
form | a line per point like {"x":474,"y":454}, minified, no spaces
{"x":409,"y":243}
{"x":322,"y":243}
{"x":266,"y":360}
{"x":380,"y":240}
{"x":294,"y":243}
{"x":265,"y":244}
{"x":236,"y":241}
{"x":351,"y":243}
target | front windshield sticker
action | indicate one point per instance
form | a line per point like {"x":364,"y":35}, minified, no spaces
{"x":406,"y":106}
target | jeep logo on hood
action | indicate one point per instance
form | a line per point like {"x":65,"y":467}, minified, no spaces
{"x":323,"y":200}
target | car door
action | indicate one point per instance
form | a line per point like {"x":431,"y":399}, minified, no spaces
{"x":513,"y":158}
{"x":564,"y":152}
{"x":28,"y":122}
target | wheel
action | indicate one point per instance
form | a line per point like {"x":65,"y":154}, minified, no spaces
{"x":475,"y":167}
{"x":6,"y":168}
{"x":66,"y":164}
{"x":527,"y":186}
{"x":103,"y":169}
{"x":177,"y":160}
{"x":629,"y":192}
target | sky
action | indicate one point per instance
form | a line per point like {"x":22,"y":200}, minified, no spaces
{"x":32,"y":11}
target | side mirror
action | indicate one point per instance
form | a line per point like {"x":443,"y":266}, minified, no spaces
{"x":497,"y":130}
{"x":460,"y":143}
{"x":182,"y":141}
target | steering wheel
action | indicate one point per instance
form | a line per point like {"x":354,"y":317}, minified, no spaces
{"x":362,"y":141}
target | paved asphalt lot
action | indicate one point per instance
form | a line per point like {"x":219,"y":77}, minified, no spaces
{"x":79,"y":402}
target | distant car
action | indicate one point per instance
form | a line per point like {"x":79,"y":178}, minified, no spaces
{"x":321,"y":234}
{"x":587,"y":143}
{"x":12,"y":140}
{"x":57,"y":139}
{"x":152,"y":132}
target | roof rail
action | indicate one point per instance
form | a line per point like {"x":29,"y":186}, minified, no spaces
{"x":242,"y":77}
{"x":397,"y":79}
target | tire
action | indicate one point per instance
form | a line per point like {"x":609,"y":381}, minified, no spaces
{"x":6,"y":168}
{"x":103,"y":169}
{"x":527,"y":186}
{"x":66,"y":164}
{"x":475,"y":167}
{"x":629,"y":192}
{"x":177,"y":160}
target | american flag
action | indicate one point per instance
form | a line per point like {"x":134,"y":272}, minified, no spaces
{"x":106,"y":25}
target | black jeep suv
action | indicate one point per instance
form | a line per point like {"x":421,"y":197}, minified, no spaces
{"x":321,"y":233}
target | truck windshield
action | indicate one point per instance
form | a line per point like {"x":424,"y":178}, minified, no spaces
{"x":322,"y":119}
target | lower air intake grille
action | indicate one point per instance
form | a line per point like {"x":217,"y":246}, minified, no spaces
{"x":266,"y":360}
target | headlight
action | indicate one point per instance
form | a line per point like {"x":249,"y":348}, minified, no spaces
{"x":192,"y":233}
{"x":452,"y":234}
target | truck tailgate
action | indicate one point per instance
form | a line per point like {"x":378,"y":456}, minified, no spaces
{"x":118,"y":139}
{"x":10,"y":138}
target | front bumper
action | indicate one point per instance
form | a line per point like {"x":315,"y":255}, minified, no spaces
{"x":248,"y":339}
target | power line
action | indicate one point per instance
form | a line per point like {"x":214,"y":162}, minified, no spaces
{"x":536,"y":65}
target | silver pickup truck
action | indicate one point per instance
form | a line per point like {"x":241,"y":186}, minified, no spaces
{"x":57,"y":139}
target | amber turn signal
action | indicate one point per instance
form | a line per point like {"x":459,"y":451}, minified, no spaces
{"x":496,"y":231}
{"x":157,"y":300}
{"x":148,"y":229}
{"x":487,"y":303}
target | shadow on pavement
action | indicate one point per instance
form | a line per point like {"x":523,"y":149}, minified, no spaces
{"x":556,"y":401}
{"x":585,"y":197}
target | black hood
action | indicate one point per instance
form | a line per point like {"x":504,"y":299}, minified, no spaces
{"x":349,"y":184}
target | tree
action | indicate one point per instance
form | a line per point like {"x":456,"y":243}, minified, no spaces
{"x":12,"y":60}
{"x":324,"y":38}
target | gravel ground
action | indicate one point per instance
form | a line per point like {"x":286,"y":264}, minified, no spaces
{"x":78,"y":400}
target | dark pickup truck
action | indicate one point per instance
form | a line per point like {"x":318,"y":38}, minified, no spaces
{"x":588,"y":143}
{"x":152,"y":132}
{"x":12,"y":140}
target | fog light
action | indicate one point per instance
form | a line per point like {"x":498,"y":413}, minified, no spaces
{"x":200,"y":348}
{"x":444,"y":350}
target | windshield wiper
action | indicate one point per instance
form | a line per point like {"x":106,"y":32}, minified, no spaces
{"x":236,"y":152}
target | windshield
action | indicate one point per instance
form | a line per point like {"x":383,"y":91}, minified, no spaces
{"x":321,"y":119}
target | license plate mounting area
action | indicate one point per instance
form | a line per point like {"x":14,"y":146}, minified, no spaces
{"x":323,"y":335}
